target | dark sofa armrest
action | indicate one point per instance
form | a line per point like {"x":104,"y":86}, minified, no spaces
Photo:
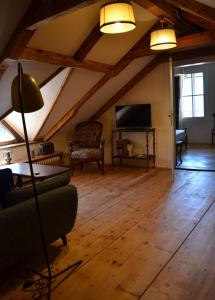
{"x":25,"y":193}
{"x":19,"y":229}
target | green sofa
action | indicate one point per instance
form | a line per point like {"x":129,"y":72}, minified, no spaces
{"x":19,"y":229}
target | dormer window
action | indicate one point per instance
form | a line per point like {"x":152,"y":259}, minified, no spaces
{"x":6,"y":137}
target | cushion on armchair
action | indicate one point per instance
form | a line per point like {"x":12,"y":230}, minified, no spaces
{"x":17,"y":195}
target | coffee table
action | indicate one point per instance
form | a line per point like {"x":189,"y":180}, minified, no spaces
{"x":41,"y":172}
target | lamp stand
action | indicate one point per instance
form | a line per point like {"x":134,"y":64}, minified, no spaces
{"x":50,"y":276}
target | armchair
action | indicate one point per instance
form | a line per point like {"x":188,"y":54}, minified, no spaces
{"x":88,"y":145}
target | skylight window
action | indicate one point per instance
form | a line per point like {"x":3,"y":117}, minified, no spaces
{"x":5,"y":135}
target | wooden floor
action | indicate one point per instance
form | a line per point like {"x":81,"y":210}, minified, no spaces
{"x":140,"y":237}
{"x":199,"y":157}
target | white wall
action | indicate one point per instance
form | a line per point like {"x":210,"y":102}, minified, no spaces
{"x":199,"y":129}
{"x":154,"y":89}
{"x":19,"y":152}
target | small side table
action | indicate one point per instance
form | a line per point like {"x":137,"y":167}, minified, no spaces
{"x":179,"y":145}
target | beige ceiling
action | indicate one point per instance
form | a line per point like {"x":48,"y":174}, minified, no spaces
{"x":68,"y":32}
{"x":64,"y":35}
{"x":208,"y":2}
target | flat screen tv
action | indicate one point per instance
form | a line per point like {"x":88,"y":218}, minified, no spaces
{"x":136,"y":116}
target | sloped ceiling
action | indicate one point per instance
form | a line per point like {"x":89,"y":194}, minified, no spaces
{"x":208,"y":2}
{"x":64,"y":35}
{"x":40,"y":71}
{"x":70,"y":31}
{"x":10,"y":13}
{"x":35,"y":120}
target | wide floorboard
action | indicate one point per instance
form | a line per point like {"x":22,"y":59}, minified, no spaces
{"x":140,"y":236}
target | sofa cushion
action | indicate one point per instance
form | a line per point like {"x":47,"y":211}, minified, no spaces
{"x":87,"y":153}
{"x":21,"y":194}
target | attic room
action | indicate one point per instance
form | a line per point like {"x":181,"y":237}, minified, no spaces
{"x":96,"y":199}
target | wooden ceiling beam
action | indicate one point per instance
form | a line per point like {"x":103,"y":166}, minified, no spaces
{"x":18,"y":137}
{"x":195,"y":8}
{"x":73,"y":111}
{"x":199,"y":53}
{"x":38,"y":11}
{"x":142,"y":43}
{"x":163,"y":10}
{"x":188,"y":17}
{"x":81,"y":53}
{"x":50,"y":77}
{"x":88,"y":43}
{"x":6,"y":114}
{"x":193,"y":40}
{"x":64,"y":60}
{"x":118,"y":68}
{"x":16,"y":44}
{"x":181,"y":18}
{"x":41,"y":11}
{"x":126,"y":88}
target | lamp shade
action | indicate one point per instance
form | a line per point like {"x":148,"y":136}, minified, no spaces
{"x":31,"y":95}
{"x":163,"y":39}
{"x":117,"y":17}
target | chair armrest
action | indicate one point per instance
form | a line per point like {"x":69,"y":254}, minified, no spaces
{"x":22,"y":194}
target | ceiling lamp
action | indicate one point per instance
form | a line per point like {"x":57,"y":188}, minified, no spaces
{"x":163,"y":39}
{"x":117,"y":17}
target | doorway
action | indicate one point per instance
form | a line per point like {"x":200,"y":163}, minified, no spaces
{"x":194,"y":101}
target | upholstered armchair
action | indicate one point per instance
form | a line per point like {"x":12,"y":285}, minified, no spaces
{"x":88,"y":145}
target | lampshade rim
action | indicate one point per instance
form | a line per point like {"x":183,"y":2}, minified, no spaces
{"x":116,"y":2}
{"x":152,"y":47}
{"x":116,"y":22}
{"x":165,"y":43}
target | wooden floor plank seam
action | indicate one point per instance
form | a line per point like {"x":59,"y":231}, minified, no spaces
{"x":176,"y":251}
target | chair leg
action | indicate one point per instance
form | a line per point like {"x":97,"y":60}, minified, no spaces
{"x":82,"y":166}
{"x":64,"y":240}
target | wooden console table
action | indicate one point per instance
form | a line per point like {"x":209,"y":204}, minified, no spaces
{"x":147,"y":156}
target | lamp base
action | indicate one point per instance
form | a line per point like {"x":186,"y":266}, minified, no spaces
{"x":45,"y":281}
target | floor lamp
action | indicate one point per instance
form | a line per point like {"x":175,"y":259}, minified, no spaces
{"x":26,"y":98}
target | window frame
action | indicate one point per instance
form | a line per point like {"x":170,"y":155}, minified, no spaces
{"x":193,"y":95}
{"x":17,"y":137}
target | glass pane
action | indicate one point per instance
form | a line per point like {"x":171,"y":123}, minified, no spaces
{"x":5,"y":135}
{"x":198,"y":87}
{"x":187,"y":107}
{"x":186,"y":85}
{"x":198,"y":106}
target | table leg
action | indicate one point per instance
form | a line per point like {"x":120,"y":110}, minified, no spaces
{"x":19,"y":182}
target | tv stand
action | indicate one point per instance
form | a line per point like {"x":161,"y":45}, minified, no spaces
{"x":117,"y":134}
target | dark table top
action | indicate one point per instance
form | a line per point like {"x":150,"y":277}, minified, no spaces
{"x":40,"y":171}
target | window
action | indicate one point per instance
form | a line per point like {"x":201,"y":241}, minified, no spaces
{"x":192,"y":97}
{"x":5,"y":135}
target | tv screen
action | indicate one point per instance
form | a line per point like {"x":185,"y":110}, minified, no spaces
{"x":133,"y":116}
